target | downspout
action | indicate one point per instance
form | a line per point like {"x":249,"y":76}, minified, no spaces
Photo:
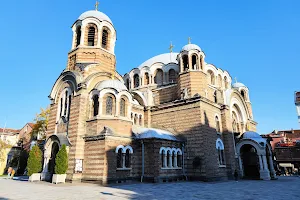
{"x":183,"y":169}
{"x":143,"y":160}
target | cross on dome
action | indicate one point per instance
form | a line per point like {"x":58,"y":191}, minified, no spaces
{"x":96,"y":5}
{"x":189,"y":40}
{"x":171,"y":47}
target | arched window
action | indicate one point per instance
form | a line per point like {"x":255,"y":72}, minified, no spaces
{"x":124,"y":156}
{"x":123,"y":107}
{"x":136,"y":119}
{"x":215,"y":97}
{"x":146,"y":80}
{"x":91,"y":36}
{"x":225,"y":82}
{"x":168,"y":159}
{"x":211,"y":77}
{"x":61,"y":106}
{"x":140,"y":120}
{"x":194,"y":62}
{"x":220,"y":80}
{"x":158,"y":79}
{"x":119,"y":159}
{"x":136,"y":80}
{"x":234,"y":126}
{"x":66,"y":103}
{"x":220,"y":149}
{"x":179,"y":159}
{"x":109,"y":105}
{"x":105,"y":39}
{"x":218,"y":129}
{"x":78,"y":36}
{"x":172,"y":76}
{"x":243,"y":93}
{"x":127,"y":84}
{"x":127,"y":159}
{"x":95,"y":105}
{"x":185,"y":63}
{"x":69,"y":106}
{"x":163,"y":164}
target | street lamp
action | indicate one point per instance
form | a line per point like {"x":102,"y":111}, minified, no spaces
{"x":297,"y":103}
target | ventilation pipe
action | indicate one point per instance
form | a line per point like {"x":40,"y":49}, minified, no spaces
{"x":143,"y":160}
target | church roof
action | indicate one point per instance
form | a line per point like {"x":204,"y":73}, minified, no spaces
{"x":189,"y":47}
{"x":114,"y":84}
{"x":96,"y":14}
{"x":165,"y":58}
{"x":147,"y":133}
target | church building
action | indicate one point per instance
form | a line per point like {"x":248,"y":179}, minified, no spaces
{"x":173,"y":117}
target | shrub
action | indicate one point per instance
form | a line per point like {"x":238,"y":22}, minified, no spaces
{"x":61,"y":161}
{"x":34,"y":163}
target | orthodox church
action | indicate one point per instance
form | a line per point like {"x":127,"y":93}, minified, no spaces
{"x":173,"y":117}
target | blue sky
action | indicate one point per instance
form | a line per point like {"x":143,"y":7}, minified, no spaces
{"x":256,"y":41}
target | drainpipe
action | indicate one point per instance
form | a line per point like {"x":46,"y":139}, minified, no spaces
{"x":183,"y":169}
{"x":143,"y":160}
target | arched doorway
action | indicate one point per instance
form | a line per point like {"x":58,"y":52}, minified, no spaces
{"x":250,"y":161}
{"x":54,"y":151}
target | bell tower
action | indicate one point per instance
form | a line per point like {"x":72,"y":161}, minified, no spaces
{"x":94,"y":38}
{"x":192,"y":78}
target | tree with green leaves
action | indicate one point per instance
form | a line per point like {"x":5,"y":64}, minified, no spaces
{"x":61,"y":161}
{"x":34,"y":163}
{"x":41,"y":123}
{"x":3,"y":147}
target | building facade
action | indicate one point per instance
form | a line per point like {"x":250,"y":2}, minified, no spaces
{"x":173,"y":117}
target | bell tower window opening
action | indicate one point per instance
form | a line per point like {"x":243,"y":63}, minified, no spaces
{"x":66,"y":103}
{"x":185,"y":63}
{"x":217,"y":125}
{"x":243,"y":94}
{"x":69,"y":106}
{"x":61,"y":106}
{"x":95,"y":105}
{"x":91,"y":36}
{"x":215,"y":97}
{"x":78,"y":36}
{"x":127,"y":84}
{"x":194,"y":62}
{"x":105,"y":39}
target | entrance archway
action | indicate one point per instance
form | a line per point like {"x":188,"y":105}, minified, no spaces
{"x":250,"y":161}
{"x":54,"y":151}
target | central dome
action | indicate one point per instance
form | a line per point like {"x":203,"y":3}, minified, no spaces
{"x":237,"y":85}
{"x":165,"y":58}
{"x":189,"y":47}
{"x":96,"y":14}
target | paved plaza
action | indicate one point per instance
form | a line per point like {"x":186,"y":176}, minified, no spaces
{"x":283,"y":188}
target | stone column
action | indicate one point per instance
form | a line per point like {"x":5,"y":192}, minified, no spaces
{"x":265,"y":163}
{"x":175,"y":161}
{"x":260,"y":163}
{"x":181,"y":65}
{"x":241,"y":166}
{"x":44,"y":174}
{"x":82,"y":35}
{"x":273,"y":173}
{"x":170,"y":161}
{"x":190,"y":62}
{"x":100,"y":106}
{"x":117,"y":113}
{"x":165,"y":160}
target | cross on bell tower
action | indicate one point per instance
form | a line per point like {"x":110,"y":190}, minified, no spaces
{"x":96,"y":5}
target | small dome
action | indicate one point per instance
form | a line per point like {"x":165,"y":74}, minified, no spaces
{"x":237,"y":85}
{"x":251,"y":135}
{"x":114,"y":84}
{"x":189,"y":47}
{"x":255,"y":137}
{"x":96,"y":14}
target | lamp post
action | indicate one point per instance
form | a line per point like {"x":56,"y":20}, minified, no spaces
{"x":297,"y":103}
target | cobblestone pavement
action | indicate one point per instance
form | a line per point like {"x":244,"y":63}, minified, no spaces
{"x":283,"y":188}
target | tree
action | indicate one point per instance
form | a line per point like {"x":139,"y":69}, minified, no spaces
{"x":41,"y":123}
{"x":61,"y":161}
{"x":3,"y":147}
{"x":34,"y":163}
